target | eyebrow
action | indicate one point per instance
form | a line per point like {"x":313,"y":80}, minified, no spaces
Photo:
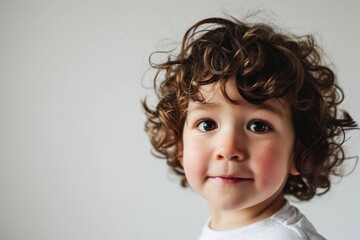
{"x":202,"y":106}
{"x":268,"y":106}
{"x":275,"y":109}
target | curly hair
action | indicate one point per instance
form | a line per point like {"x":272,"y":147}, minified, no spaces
{"x":267,"y":64}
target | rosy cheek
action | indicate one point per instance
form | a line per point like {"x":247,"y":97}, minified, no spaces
{"x":193,"y":166}
{"x":271,"y":165}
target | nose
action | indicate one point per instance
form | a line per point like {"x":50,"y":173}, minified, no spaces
{"x":230,"y":146}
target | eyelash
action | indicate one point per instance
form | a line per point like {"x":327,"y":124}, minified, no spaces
{"x":201,"y":122}
{"x":251,"y":126}
{"x":265,"y":124}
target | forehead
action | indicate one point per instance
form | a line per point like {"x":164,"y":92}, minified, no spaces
{"x":226,"y":91}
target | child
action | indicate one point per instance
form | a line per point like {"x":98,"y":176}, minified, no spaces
{"x":247,"y":116}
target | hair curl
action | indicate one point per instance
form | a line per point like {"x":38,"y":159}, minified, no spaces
{"x":267,"y":64}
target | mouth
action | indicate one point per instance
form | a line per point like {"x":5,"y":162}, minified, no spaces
{"x":231,"y":180}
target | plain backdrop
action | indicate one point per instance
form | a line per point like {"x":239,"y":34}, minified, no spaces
{"x":75,"y":162}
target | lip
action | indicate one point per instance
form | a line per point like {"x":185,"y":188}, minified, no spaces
{"x":231,"y":179}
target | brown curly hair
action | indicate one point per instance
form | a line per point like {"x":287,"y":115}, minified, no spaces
{"x":267,"y":64}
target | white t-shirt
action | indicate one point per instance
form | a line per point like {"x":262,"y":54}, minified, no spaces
{"x":288,"y":223}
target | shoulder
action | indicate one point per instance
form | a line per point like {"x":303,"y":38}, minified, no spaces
{"x":289,"y":222}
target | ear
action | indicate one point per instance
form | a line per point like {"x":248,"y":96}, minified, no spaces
{"x":293,"y":170}
{"x":180,"y":159}
{"x":298,"y":148}
{"x":179,"y":147}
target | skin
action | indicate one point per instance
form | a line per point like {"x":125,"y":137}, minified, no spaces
{"x":238,"y":156}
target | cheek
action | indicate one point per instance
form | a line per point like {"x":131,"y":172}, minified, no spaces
{"x":194,"y":163}
{"x":272,"y":166}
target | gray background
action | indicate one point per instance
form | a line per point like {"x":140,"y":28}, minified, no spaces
{"x":74,"y":160}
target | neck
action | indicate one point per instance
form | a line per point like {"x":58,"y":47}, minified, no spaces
{"x":226,"y":220}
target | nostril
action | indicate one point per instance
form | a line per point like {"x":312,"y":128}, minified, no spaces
{"x":229,"y":157}
{"x":234,"y":158}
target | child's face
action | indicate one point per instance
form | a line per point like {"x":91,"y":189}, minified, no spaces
{"x":237,"y":156}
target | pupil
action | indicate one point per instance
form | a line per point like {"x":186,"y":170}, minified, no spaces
{"x":208,"y":125}
{"x":259,"y":127}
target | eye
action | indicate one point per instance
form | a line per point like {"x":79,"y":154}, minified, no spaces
{"x":258,"y":126}
{"x":206,"y":125}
